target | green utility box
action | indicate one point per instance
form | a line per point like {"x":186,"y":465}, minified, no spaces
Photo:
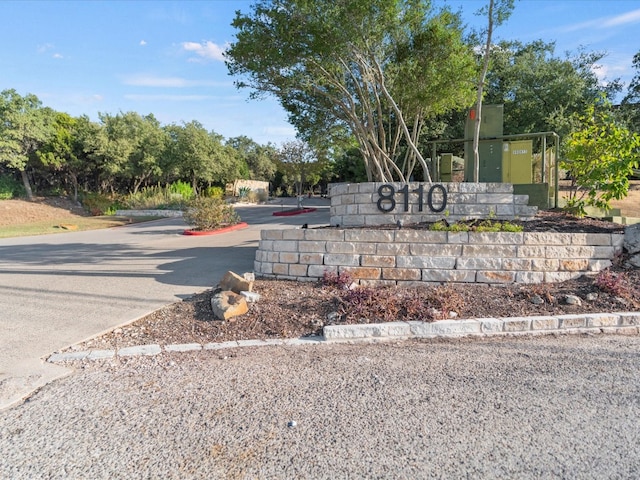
{"x":446,"y":167}
{"x":517,"y":162}
{"x":490,"y":146}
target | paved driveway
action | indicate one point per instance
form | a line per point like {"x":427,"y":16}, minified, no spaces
{"x":56,"y":290}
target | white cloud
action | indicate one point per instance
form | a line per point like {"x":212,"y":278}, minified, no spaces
{"x":626,"y":18}
{"x":605,"y":22}
{"x":206,"y":50}
{"x":143,"y":43}
{"x":45,"y":47}
{"x":57,"y":55}
{"x":143,"y":80}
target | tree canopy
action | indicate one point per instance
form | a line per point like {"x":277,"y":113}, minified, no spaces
{"x":373,"y":69}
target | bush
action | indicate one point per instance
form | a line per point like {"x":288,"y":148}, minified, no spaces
{"x":99,"y":204}
{"x":341,"y":281}
{"x":615,"y":284}
{"x":484,"y":226}
{"x":214,"y":192}
{"x":210,"y":213}
{"x":184,"y":189}
{"x":10,"y":188}
{"x":170,"y":197}
{"x":244,"y":192}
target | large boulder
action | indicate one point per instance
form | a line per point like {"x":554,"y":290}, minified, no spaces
{"x":632,"y":244}
{"x":227,"y":305}
{"x":236,"y":283}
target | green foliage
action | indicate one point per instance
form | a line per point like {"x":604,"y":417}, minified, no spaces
{"x":99,"y":204}
{"x":473,"y":226}
{"x":601,"y":155}
{"x":214,"y":192}
{"x":356,"y":69}
{"x":10,"y":188}
{"x":183,"y":189}
{"x":210,"y":213}
{"x":24,"y":127}
{"x":539,"y":90}
{"x":243,"y":192}
{"x":174,"y":196}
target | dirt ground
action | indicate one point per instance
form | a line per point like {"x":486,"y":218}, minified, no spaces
{"x":17,"y":212}
{"x":294,"y":309}
{"x":630,"y":205}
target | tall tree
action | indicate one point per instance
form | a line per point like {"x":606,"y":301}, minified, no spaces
{"x":24,"y":127}
{"x":259,"y":159}
{"x":374,"y":69}
{"x":57,"y":153}
{"x":541,"y":91}
{"x":299,"y":164}
{"x":497,"y":11}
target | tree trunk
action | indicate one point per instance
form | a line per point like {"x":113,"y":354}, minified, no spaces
{"x":478,"y":119}
{"x":27,"y":185}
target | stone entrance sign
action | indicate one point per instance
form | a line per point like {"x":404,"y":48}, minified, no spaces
{"x":373,"y":204}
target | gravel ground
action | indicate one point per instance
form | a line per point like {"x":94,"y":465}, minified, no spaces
{"x":512,"y":407}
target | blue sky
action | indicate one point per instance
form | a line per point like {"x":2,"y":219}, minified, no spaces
{"x":165,"y":58}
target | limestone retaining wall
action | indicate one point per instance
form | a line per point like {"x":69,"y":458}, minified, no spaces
{"x":405,"y":256}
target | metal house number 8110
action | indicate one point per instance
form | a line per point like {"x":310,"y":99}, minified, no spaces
{"x":387,"y":201}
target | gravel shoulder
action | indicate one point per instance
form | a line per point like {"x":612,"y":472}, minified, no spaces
{"x":546,"y":407}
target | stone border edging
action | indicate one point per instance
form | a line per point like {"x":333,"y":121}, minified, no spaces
{"x":626,"y":323}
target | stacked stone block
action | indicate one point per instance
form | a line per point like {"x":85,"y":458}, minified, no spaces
{"x":355,"y":204}
{"x":406,"y":256}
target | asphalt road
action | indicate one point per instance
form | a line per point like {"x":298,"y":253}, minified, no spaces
{"x":57,"y":290}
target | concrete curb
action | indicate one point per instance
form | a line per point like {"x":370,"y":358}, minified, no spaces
{"x":623,"y":323}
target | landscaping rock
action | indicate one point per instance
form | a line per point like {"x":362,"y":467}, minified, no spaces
{"x":632,"y":238}
{"x":227,"y":305}
{"x":235,"y":283}
{"x":537,"y":300}
{"x":252,"y":297}
{"x":632,"y":244}
{"x":573,"y":300}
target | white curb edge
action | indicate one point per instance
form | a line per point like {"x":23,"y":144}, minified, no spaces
{"x":625,"y":323}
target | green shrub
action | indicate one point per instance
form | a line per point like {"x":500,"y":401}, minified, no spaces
{"x":210,"y":213}
{"x":10,"y":188}
{"x":169,"y":197}
{"x":244,"y":192}
{"x":214,"y":192}
{"x":99,"y":204}
{"x":484,"y":226}
{"x":184,"y":189}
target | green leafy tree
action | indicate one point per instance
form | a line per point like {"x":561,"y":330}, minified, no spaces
{"x":600,"y":158}
{"x":299,"y":164}
{"x":630,"y":105}
{"x":540,"y":91}
{"x":259,"y":159}
{"x":24,"y":127}
{"x":132,"y":148}
{"x":201,"y":157}
{"x":89,"y":140}
{"x":371,"y":69}
{"x":57,"y":153}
